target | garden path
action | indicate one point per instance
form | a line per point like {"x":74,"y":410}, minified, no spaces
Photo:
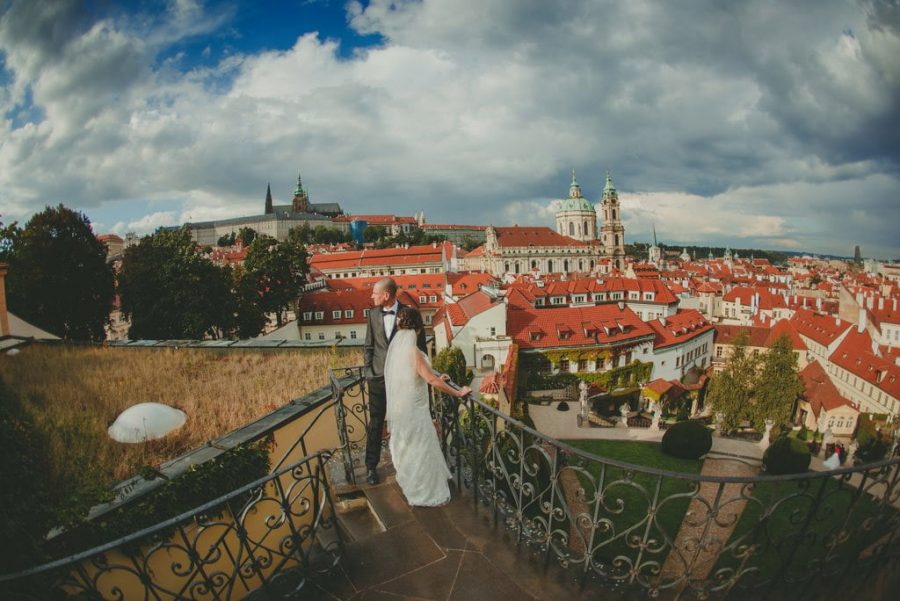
{"x":711,"y":518}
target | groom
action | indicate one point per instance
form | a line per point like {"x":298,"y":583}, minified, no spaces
{"x":379,"y":331}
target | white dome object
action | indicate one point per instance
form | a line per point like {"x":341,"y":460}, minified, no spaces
{"x":833,"y":462}
{"x":146,"y":421}
{"x":13,"y":351}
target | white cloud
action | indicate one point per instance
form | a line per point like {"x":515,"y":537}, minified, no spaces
{"x":149,"y":223}
{"x":474,"y":111}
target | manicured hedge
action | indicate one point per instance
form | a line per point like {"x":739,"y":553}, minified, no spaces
{"x":787,"y":455}
{"x":688,"y":440}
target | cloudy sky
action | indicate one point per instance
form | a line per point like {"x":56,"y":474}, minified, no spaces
{"x":761,"y":124}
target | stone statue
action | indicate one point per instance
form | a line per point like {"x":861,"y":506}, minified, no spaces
{"x":583,"y":399}
{"x":657,"y":413}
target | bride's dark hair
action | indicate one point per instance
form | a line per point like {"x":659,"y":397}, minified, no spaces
{"x":409,"y":319}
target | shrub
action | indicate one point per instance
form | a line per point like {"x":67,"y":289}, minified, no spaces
{"x":688,"y":440}
{"x":787,"y":455}
{"x":871,"y":450}
{"x":803,"y":433}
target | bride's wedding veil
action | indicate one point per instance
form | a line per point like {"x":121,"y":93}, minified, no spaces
{"x":400,"y":373}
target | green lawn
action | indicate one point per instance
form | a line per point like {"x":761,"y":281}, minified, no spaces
{"x":781,"y":522}
{"x":628,"y":498}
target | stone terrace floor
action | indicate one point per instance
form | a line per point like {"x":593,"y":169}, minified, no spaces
{"x":440,"y":553}
{"x":456,"y":553}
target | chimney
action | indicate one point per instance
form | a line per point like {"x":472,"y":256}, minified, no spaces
{"x":837,"y":321}
{"x":861,"y":326}
{"x":895,"y":304}
{"x":870,"y":301}
{"x":621,"y":305}
{"x":880,"y":303}
{"x":4,"y":317}
{"x":662,"y":319}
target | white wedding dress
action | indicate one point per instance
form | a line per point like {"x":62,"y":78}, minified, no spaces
{"x":422,"y":472}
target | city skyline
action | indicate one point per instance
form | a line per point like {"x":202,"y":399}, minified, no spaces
{"x":758,"y":126}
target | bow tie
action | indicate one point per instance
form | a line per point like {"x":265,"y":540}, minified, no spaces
{"x":387,"y":312}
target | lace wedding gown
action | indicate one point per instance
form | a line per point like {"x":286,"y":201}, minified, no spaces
{"x":422,"y":472}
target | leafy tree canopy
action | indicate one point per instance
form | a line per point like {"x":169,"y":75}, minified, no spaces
{"x":58,"y":277}
{"x":170,"y":290}
{"x":280,"y":270}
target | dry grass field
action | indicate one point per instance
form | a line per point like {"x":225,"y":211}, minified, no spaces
{"x":73,"y":393}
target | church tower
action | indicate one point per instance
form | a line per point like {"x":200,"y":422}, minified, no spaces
{"x":655,"y":253}
{"x":576,"y":218}
{"x":300,"y":204}
{"x":269,"y":208}
{"x":612,"y":233}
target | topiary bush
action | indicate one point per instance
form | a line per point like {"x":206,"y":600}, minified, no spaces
{"x":871,"y":450}
{"x":787,"y":455}
{"x":688,"y":440}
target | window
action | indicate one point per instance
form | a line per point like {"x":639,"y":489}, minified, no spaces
{"x":422,"y":298}
{"x":307,"y":315}
{"x":307,"y":336}
{"x":493,"y":331}
{"x":564,"y":365}
{"x":348,"y":313}
{"x":321,"y":335}
{"x":320,"y":314}
{"x":432,"y":298}
{"x":427,"y":318}
{"x":352,"y":334}
{"x":338,"y":335}
{"x":582,"y":365}
{"x":336,"y":314}
{"x":648,"y":296}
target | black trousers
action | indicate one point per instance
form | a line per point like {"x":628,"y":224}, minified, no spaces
{"x":377,"y":412}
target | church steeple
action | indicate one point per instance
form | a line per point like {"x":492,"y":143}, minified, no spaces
{"x":612,"y":232}
{"x":654,"y":235}
{"x":269,"y":208}
{"x":300,"y":204}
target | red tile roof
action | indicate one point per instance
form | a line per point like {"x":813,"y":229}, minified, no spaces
{"x":510,"y":372}
{"x":554,"y":287}
{"x":533,"y":236}
{"x":590,"y":325}
{"x":823,"y":329}
{"x":728,"y":334}
{"x":355,"y":300}
{"x":467,"y":282}
{"x":377,"y":219}
{"x":413,"y":255}
{"x":820,"y":391}
{"x":784,"y":327}
{"x":683,"y":326}
{"x":854,"y":354}
{"x":767,"y":300}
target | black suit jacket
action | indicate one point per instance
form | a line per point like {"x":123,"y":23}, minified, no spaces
{"x":377,"y":342}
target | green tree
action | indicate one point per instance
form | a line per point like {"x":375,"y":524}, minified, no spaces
{"x":8,"y":235}
{"x":280,"y":270}
{"x":731,"y":391}
{"x":58,"y":278}
{"x":452,"y":362}
{"x":778,"y":385}
{"x":246,"y":235}
{"x":374,"y":233}
{"x":247,"y":311}
{"x":170,"y":290}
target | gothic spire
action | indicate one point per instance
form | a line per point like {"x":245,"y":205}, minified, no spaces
{"x":654,"y":235}
{"x":299,"y":190}
{"x":269,"y":208}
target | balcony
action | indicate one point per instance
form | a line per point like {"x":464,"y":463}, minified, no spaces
{"x":531,"y":517}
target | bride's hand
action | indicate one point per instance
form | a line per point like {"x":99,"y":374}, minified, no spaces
{"x":463,"y":391}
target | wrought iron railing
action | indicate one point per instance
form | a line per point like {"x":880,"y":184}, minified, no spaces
{"x":624,"y":526}
{"x":270,"y":538}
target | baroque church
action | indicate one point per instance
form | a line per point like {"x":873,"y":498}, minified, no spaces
{"x":574,"y":246}
{"x":275,"y":221}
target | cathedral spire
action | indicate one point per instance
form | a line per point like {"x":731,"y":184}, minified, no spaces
{"x":300,"y":204}
{"x":654,"y":235}
{"x":269,"y":207}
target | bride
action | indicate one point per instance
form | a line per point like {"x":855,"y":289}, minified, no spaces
{"x":422,"y":472}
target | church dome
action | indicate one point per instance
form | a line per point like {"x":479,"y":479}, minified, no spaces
{"x":575,"y":201}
